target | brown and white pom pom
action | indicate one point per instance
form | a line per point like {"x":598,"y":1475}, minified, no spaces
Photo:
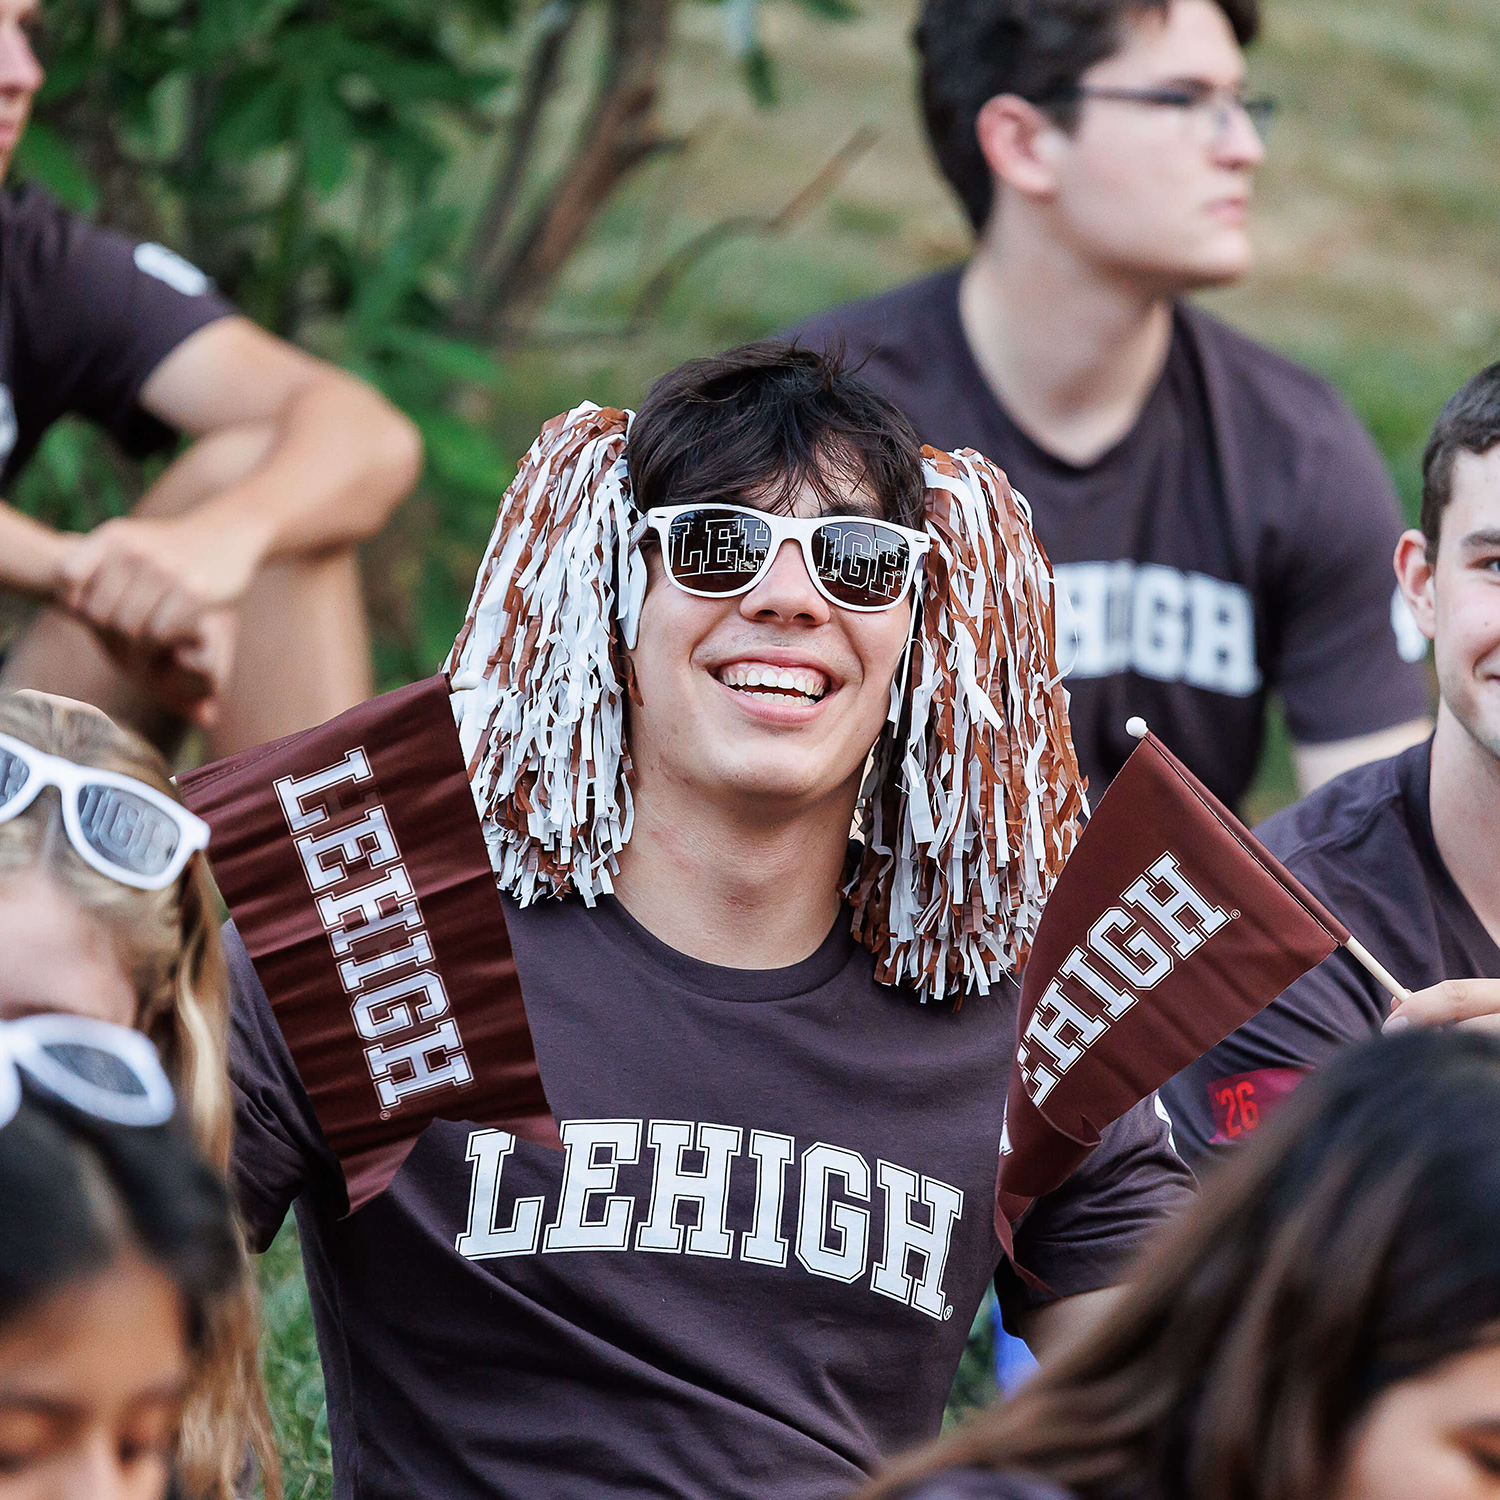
{"x":537,"y":693}
{"x":971,"y":813}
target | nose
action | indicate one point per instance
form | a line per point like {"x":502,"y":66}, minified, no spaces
{"x":95,"y":1472}
{"x":20,"y":72}
{"x":1237,"y":143}
{"x":786,"y":593}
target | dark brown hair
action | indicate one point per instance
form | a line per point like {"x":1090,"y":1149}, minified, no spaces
{"x":1355,"y":1243}
{"x":756,"y":423}
{"x":972,"y":50}
{"x":1468,"y":423}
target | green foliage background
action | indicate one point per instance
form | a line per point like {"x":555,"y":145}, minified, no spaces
{"x":325,"y":161}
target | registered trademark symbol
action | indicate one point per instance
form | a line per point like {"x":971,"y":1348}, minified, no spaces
{"x":385,"y":1114}
{"x":947,"y":1313}
{"x":1233,"y":915}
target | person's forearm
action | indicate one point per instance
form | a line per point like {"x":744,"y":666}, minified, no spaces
{"x":341,"y":461}
{"x":30,"y":554}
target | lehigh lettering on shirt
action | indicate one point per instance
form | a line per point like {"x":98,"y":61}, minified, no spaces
{"x":828,"y":1184}
{"x":1160,"y":623}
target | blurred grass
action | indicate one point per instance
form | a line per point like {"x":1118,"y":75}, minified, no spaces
{"x":1377,"y":267}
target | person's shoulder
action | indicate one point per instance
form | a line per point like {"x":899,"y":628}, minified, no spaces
{"x":33,"y":222}
{"x":895,"y":318}
{"x":1277,"y":389}
{"x":1358,"y":818}
{"x":987,"y":1484}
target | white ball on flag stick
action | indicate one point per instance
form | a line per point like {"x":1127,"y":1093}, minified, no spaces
{"x":1137,"y":727}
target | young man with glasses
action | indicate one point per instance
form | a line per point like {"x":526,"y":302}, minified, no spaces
{"x":1221,"y":523}
{"x":752,"y":1271}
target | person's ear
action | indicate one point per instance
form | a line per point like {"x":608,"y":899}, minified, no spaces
{"x":1414,"y":574}
{"x":1019,"y":143}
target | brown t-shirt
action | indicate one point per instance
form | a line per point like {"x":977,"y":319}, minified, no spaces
{"x":1237,"y":540}
{"x":753,"y":1270}
{"x":85,"y":316}
{"x":1363,"y":844}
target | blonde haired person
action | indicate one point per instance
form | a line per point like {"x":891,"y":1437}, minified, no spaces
{"x":77,"y":938}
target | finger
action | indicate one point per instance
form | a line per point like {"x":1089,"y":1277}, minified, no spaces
{"x":78,"y":565}
{"x":104,"y":590}
{"x":139,"y":602}
{"x":177,"y":619}
{"x":1482,"y":1023}
{"x":1443,"y":1004}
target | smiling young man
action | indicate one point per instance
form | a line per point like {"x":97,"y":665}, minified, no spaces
{"x":752,"y":1270}
{"x":1220,"y":521}
{"x":1404,"y":850}
{"x":230,"y":595}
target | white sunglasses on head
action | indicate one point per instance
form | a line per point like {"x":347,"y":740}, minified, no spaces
{"x":122,"y":827}
{"x":101,"y":1069}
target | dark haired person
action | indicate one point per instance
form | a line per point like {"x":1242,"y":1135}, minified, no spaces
{"x":1404,"y":850}
{"x":1324,"y":1324}
{"x":115,"y":1251}
{"x":753,"y":1270}
{"x":1220,"y":521}
{"x":230,"y":595}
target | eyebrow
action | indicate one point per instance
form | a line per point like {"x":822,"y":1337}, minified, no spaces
{"x":1477,"y":541}
{"x":165,"y":1393}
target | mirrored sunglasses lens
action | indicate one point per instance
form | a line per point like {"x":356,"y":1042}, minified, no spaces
{"x":14,"y":774}
{"x":860,"y":563}
{"x":716,"y":551}
{"x":127,"y":830}
{"x":96,"y":1067}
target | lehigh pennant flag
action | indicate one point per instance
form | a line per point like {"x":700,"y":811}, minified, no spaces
{"x":1169,"y":926}
{"x":353,"y":864}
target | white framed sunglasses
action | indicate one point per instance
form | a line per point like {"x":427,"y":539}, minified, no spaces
{"x":122,"y":827}
{"x":719,"y":551}
{"x":100,"y":1069}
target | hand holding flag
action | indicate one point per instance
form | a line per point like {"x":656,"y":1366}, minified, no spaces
{"x":1170,"y":925}
{"x":353,"y":863}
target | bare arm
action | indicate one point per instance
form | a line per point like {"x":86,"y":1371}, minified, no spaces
{"x":1315,"y":764}
{"x":343,"y":456}
{"x":331,"y":458}
{"x":31,"y":554}
{"x":1059,"y":1325}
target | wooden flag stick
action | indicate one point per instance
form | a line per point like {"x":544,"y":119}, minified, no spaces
{"x":1378,"y":969}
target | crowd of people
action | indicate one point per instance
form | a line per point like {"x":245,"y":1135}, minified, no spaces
{"x":798,"y":591}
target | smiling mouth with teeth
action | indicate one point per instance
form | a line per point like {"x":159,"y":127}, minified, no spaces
{"x":780,"y":684}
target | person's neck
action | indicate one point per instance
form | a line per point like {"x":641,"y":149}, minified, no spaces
{"x":1070,"y":353}
{"x":732,"y":890}
{"x":1464,"y":795}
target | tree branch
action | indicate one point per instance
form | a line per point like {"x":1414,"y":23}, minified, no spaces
{"x":619,"y":135}
{"x":670,"y":274}
{"x":486,"y":257}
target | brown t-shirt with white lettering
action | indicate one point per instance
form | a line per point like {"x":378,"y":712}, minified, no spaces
{"x":1236,"y":541}
{"x":750,"y":1274}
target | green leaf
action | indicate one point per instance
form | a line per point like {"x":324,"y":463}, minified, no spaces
{"x":324,"y":135}
{"x":254,"y":115}
{"x":464,"y":455}
{"x":42,"y":156}
{"x":760,"y":75}
{"x":452,"y":359}
{"x":831,"y":10}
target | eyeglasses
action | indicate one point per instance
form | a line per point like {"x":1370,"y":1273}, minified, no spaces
{"x":1215,"y":108}
{"x":718,"y":551}
{"x":122,"y":827}
{"x":103,"y":1070}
